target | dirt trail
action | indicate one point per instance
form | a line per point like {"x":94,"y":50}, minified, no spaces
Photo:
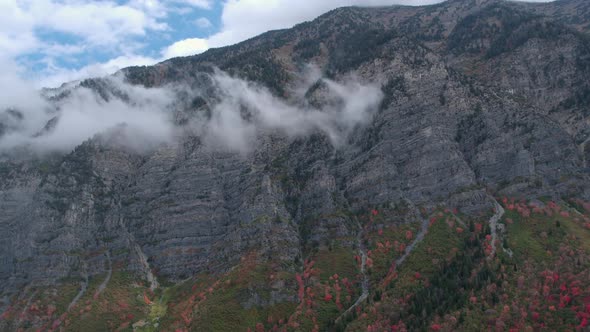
{"x":363,"y":254}
{"x":24,"y":311}
{"x":418,"y":239}
{"x":83,"y":288}
{"x":365,"y":282}
{"x":105,"y":282}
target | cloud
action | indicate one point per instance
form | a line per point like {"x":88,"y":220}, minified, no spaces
{"x":16,"y":33}
{"x":97,"y":23}
{"x":246,"y":110}
{"x":54,"y":77}
{"x":203,"y":23}
{"x":14,"y":92}
{"x":142,"y":118}
{"x":185,"y":47}
{"x":206,"y":4}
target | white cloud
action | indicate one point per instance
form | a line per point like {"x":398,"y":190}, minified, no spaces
{"x":96,"y":22}
{"x":140,"y":124}
{"x":54,"y":77}
{"x":16,"y":33}
{"x":100,"y":24}
{"x":185,"y":47}
{"x":147,"y":121}
{"x":206,"y":4}
{"x":203,"y":23}
{"x":348,"y":105}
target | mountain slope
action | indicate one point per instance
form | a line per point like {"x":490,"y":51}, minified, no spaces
{"x":481,"y":100}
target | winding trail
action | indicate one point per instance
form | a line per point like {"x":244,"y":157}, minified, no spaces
{"x":24,"y":311}
{"x":83,"y":288}
{"x":365,"y":282}
{"x":418,"y":239}
{"x":105,"y":282}
{"x":362,"y":250}
{"x":499,"y":212}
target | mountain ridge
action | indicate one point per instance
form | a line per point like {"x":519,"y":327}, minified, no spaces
{"x":480,"y":104}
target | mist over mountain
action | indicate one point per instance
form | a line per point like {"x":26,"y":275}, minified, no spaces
{"x":376,"y":169}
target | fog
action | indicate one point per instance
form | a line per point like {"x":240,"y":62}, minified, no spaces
{"x":347,"y":105}
{"x":141,"y":118}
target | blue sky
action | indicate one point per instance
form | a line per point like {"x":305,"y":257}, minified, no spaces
{"x":183,"y":22}
{"x":49,"y":42}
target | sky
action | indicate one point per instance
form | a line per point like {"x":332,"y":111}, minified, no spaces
{"x":49,"y":42}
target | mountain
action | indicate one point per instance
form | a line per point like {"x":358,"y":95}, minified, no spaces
{"x":456,"y":201}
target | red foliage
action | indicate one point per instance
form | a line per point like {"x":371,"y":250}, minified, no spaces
{"x":51,"y":309}
{"x":56,"y":324}
{"x":301,"y":286}
{"x":409,"y":235}
{"x":459,"y":230}
{"x":338,"y":289}
{"x":186,"y":316}
{"x":523,"y":210}
{"x":327,"y":296}
{"x":146,"y":299}
{"x":478,"y":227}
{"x":402,"y":247}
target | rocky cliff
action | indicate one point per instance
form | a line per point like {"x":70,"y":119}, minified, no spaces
{"x":481,"y":99}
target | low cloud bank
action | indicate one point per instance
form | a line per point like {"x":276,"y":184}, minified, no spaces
{"x":48,"y":126}
{"x":143,"y":118}
{"x":246,"y":108}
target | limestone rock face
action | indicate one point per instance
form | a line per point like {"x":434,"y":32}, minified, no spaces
{"x":480,"y":98}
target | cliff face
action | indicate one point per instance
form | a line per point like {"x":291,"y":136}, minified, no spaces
{"x":481,"y":98}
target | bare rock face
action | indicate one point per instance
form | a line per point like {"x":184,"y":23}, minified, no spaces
{"x":478,"y":99}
